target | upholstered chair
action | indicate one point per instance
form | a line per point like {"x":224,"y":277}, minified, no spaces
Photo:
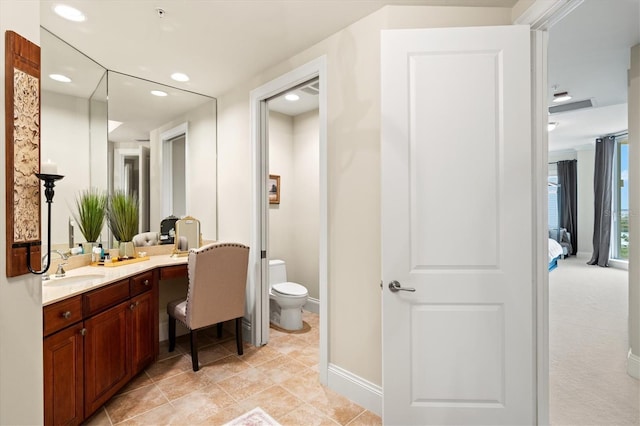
{"x":217,"y":286}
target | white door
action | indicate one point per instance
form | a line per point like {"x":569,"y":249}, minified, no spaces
{"x":457,"y":227}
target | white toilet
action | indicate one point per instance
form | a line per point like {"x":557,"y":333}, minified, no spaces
{"x":285,"y":298}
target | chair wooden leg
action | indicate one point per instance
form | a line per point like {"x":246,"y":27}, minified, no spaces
{"x":172,"y":333}
{"x":219,"y":325}
{"x":239,"y":335}
{"x":194,"y":350}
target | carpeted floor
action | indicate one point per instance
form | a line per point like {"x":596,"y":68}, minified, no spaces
{"x":588,"y":338}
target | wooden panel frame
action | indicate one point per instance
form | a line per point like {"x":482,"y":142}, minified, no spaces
{"x":273,"y":189}
{"x":22,"y":61}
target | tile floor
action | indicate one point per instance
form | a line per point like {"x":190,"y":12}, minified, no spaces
{"x":281,"y":378}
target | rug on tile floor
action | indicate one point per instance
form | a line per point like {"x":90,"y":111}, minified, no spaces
{"x":255,"y":417}
{"x":305,"y":328}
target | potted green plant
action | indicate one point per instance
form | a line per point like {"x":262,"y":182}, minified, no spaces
{"x":90,"y":213}
{"x":122,"y":217}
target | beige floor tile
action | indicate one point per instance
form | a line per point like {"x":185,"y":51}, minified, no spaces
{"x":164,"y":353}
{"x":276,"y":401}
{"x":305,"y":385}
{"x":179,"y":385}
{"x":306,"y":415}
{"x":134,"y":403}
{"x":140,"y":381}
{"x":99,"y":418}
{"x":245,"y":384}
{"x":307,"y":355}
{"x":203,"y":403}
{"x":165,"y":414}
{"x":223,"y":416}
{"x":169,"y":367}
{"x":336,"y":406}
{"x":281,"y":368}
{"x":253,"y":355}
{"x":283,"y":343}
{"x":209,"y":354}
{"x":224,"y":368}
{"x":366,"y":419}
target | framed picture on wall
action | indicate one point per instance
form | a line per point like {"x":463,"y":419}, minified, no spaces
{"x":273,"y":187}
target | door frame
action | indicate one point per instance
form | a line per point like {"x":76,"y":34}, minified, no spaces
{"x":541,"y":16}
{"x":258,"y":293}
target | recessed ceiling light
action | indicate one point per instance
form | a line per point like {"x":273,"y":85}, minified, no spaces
{"x":292,"y":97}
{"x":158,"y":93}
{"x":70,"y":13}
{"x":59,"y":77}
{"x":552,"y":125}
{"x":178,"y":76}
{"x":561,"y":97}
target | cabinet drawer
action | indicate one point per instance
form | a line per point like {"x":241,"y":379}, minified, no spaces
{"x":141,"y":283}
{"x":178,"y":271}
{"x":103,"y":298}
{"x":62,"y":314}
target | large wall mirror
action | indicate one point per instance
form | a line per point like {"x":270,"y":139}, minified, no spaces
{"x":109,"y":131}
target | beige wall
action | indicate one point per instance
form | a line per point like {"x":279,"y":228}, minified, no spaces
{"x":20,"y":297}
{"x":353,"y":138}
{"x":294,"y":223}
{"x":634,"y":209}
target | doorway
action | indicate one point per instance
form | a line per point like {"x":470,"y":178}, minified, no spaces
{"x":588,"y":330}
{"x":304,"y":76}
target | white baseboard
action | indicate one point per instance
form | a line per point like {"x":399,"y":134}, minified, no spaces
{"x":312,"y":305}
{"x":633,"y":365}
{"x":357,"y":389}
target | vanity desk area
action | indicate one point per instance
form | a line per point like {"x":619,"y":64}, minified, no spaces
{"x":100,"y":329}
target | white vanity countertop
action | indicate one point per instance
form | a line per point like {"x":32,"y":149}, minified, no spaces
{"x":86,"y":278}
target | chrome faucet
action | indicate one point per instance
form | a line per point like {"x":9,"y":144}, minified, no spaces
{"x":60,"y":272}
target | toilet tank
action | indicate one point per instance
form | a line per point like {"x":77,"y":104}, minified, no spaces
{"x":277,"y":271}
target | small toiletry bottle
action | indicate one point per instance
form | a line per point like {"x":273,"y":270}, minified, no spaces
{"x":101,"y":251}
{"x":95,"y":256}
{"x":81,"y":248}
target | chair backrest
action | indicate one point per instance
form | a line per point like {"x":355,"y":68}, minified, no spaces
{"x":217,"y":283}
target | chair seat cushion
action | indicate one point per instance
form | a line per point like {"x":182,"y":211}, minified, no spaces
{"x":178,"y":310}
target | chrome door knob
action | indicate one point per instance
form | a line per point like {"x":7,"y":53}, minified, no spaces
{"x":395,"y":287}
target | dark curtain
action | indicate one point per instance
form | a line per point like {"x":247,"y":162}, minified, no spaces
{"x":567,"y":178}
{"x":602,"y":181}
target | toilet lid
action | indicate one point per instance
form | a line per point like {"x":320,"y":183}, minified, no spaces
{"x":290,"y":289}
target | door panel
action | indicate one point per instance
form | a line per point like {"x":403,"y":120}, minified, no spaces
{"x":457,"y":226}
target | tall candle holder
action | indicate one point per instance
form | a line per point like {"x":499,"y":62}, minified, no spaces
{"x":49,"y":183}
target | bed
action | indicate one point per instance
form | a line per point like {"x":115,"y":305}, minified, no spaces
{"x":555,"y":251}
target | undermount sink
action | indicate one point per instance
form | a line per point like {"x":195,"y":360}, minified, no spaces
{"x":73,"y":279}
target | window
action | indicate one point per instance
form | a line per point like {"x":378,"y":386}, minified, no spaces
{"x":620,"y":213}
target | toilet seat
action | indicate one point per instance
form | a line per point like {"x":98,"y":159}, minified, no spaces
{"x":289,"y":289}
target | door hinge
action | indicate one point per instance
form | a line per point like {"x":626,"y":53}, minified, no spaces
{"x":263,"y":254}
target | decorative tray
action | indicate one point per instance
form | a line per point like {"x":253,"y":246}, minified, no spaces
{"x":116,"y":262}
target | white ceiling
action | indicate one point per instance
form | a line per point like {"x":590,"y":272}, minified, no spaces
{"x":589,"y":58}
{"x":222,"y":43}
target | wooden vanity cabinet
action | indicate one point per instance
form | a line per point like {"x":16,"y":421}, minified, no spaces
{"x":114,"y":338}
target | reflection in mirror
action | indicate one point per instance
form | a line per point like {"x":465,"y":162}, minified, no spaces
{"x":73,"y":114}
{"x":118,"y":140}
{"x":188,"y":235}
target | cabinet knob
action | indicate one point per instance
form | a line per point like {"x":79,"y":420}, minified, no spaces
{"x":133,"y":305}
{"x":145,"y":282}
{"x":83,"y":332}
{"x":66,"y":314}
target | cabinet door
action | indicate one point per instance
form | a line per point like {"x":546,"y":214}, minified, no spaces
{"x":63,"y":377}
{"x":107,"y":364}
{"x":142,"y":331}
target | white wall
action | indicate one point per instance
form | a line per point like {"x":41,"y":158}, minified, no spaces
{"x":294,"y":223}
{"x":64,"y":121}
{"x":20,"y":297}
{"x":201,"y":174}
{"x":353,"y":136}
